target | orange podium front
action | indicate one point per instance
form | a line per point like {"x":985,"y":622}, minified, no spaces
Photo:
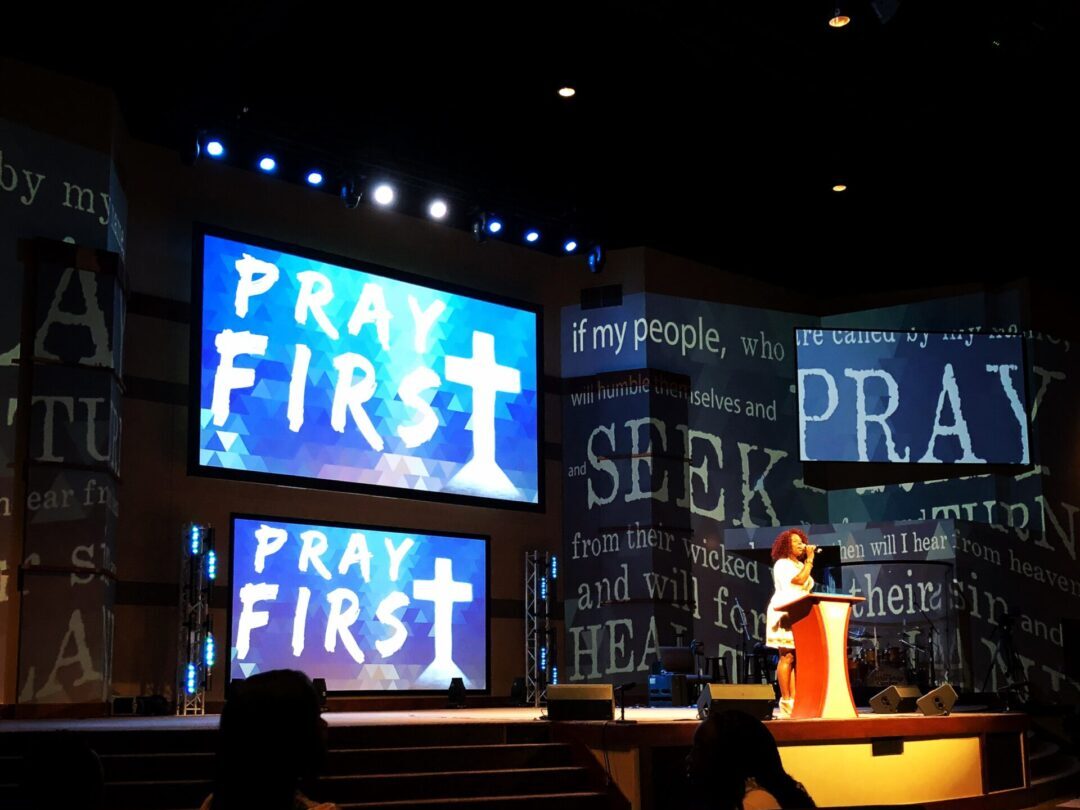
{"x":819,"y":622}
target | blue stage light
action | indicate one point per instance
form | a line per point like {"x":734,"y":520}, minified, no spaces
{"x":211,"y":564}
{"x":596,"y":258}
{"x":570,"y":246}
{"x":209,"y":650}
{"x":554,"y":674}
{"x":554,"y":567}
{"x":215,"y":149}
{"x":315,"y":178}
{"x":196,"y":537}
{"x":494,"y":226}
{"x":267,"y":164}
{"x":543,"y":658}
{"x":532,"y":236}
{"x":543,"y":589}
{"x":191,"y":685}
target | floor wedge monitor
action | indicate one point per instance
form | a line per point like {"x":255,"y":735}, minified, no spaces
{"x":756,"y":699}
{"x":896,"y":699}
{"x":938,"y":701}
{"x":594,"y":701}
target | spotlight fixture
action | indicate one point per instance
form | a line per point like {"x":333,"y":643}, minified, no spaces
{"x":315,"y":178}
{"x":485,"y":225}
{"x":596,"y":257}
{"x":532,"y":236}
{"x":567,"y":92}
{"x":570,"y":245}
{"x":384,"y":194}
{"x":352,"y":191}
{"x":438,"y":209}
{"x":839,"y":187}
{"x":479,"y":227}
{"x":215,"y":148}
{"x":838,"y":19}
{"x":267,"y":163}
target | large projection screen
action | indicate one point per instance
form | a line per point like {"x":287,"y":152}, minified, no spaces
{"x":313,"y":371}
{"x":368,"y":609}
{"x":911,"y":397}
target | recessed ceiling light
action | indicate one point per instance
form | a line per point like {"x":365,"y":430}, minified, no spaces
{"x":839,"y":187}
{"x":567,"y":92}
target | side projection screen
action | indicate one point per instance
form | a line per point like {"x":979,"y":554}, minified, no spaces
{"x":904,"y":396}
{"x":349,"y":378}
{"x":367,"y":609}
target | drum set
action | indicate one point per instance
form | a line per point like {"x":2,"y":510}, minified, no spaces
{"x":885,"y":661}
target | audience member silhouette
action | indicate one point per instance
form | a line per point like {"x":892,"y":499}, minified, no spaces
{"x":735,"y":765}
{"x":60,"y":770}
{"x":272,"y":741}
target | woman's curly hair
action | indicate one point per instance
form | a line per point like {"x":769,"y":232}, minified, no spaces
{"x":781,"y":547}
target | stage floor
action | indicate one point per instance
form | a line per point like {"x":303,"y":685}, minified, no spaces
{"x":639,"y":714}
{"x":372,"y":718}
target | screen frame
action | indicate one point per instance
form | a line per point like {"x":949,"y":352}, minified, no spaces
{"x":317,"y":522}
{"x":195,"y":468}
{"x":1009,"y":468}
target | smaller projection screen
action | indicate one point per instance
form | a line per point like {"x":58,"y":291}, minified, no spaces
{"x":915,"y":397}
{"x":314,"y":372}
{"x":368,"y":609}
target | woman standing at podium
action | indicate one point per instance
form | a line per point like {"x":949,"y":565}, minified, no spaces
{"x":793,"y":559}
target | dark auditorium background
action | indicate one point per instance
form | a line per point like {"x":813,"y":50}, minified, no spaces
{"x":701,"y":150}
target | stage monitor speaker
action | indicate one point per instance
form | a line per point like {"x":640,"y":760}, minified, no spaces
{"x":320,"y":690}
{"x":456,"y":693}
{"x":581,"y":701}
{"x":937,"y":701}
{"x":756,"y":699}
{"x":517,"y":691}
{"x":895,"y":699}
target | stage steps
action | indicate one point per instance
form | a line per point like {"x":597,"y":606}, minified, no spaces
{"x":1053,"y":766}
{"x":514,"y":766}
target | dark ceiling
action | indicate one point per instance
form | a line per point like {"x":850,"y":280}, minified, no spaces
{"x":711,"y":130}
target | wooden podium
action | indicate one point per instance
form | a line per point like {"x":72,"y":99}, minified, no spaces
{"x":819,"y":622}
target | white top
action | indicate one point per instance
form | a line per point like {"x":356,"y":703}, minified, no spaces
{"x":784,"y":591}
{"x":777,"y":631}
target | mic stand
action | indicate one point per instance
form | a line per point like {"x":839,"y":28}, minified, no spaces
{"x":742,"y":675}
{"x":622,"y":704}
{"x":930,"y":645}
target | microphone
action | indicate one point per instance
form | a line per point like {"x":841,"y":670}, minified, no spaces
{"x":622,"y":689}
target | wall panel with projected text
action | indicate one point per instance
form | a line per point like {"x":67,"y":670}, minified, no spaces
{"x":911,"y":396}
